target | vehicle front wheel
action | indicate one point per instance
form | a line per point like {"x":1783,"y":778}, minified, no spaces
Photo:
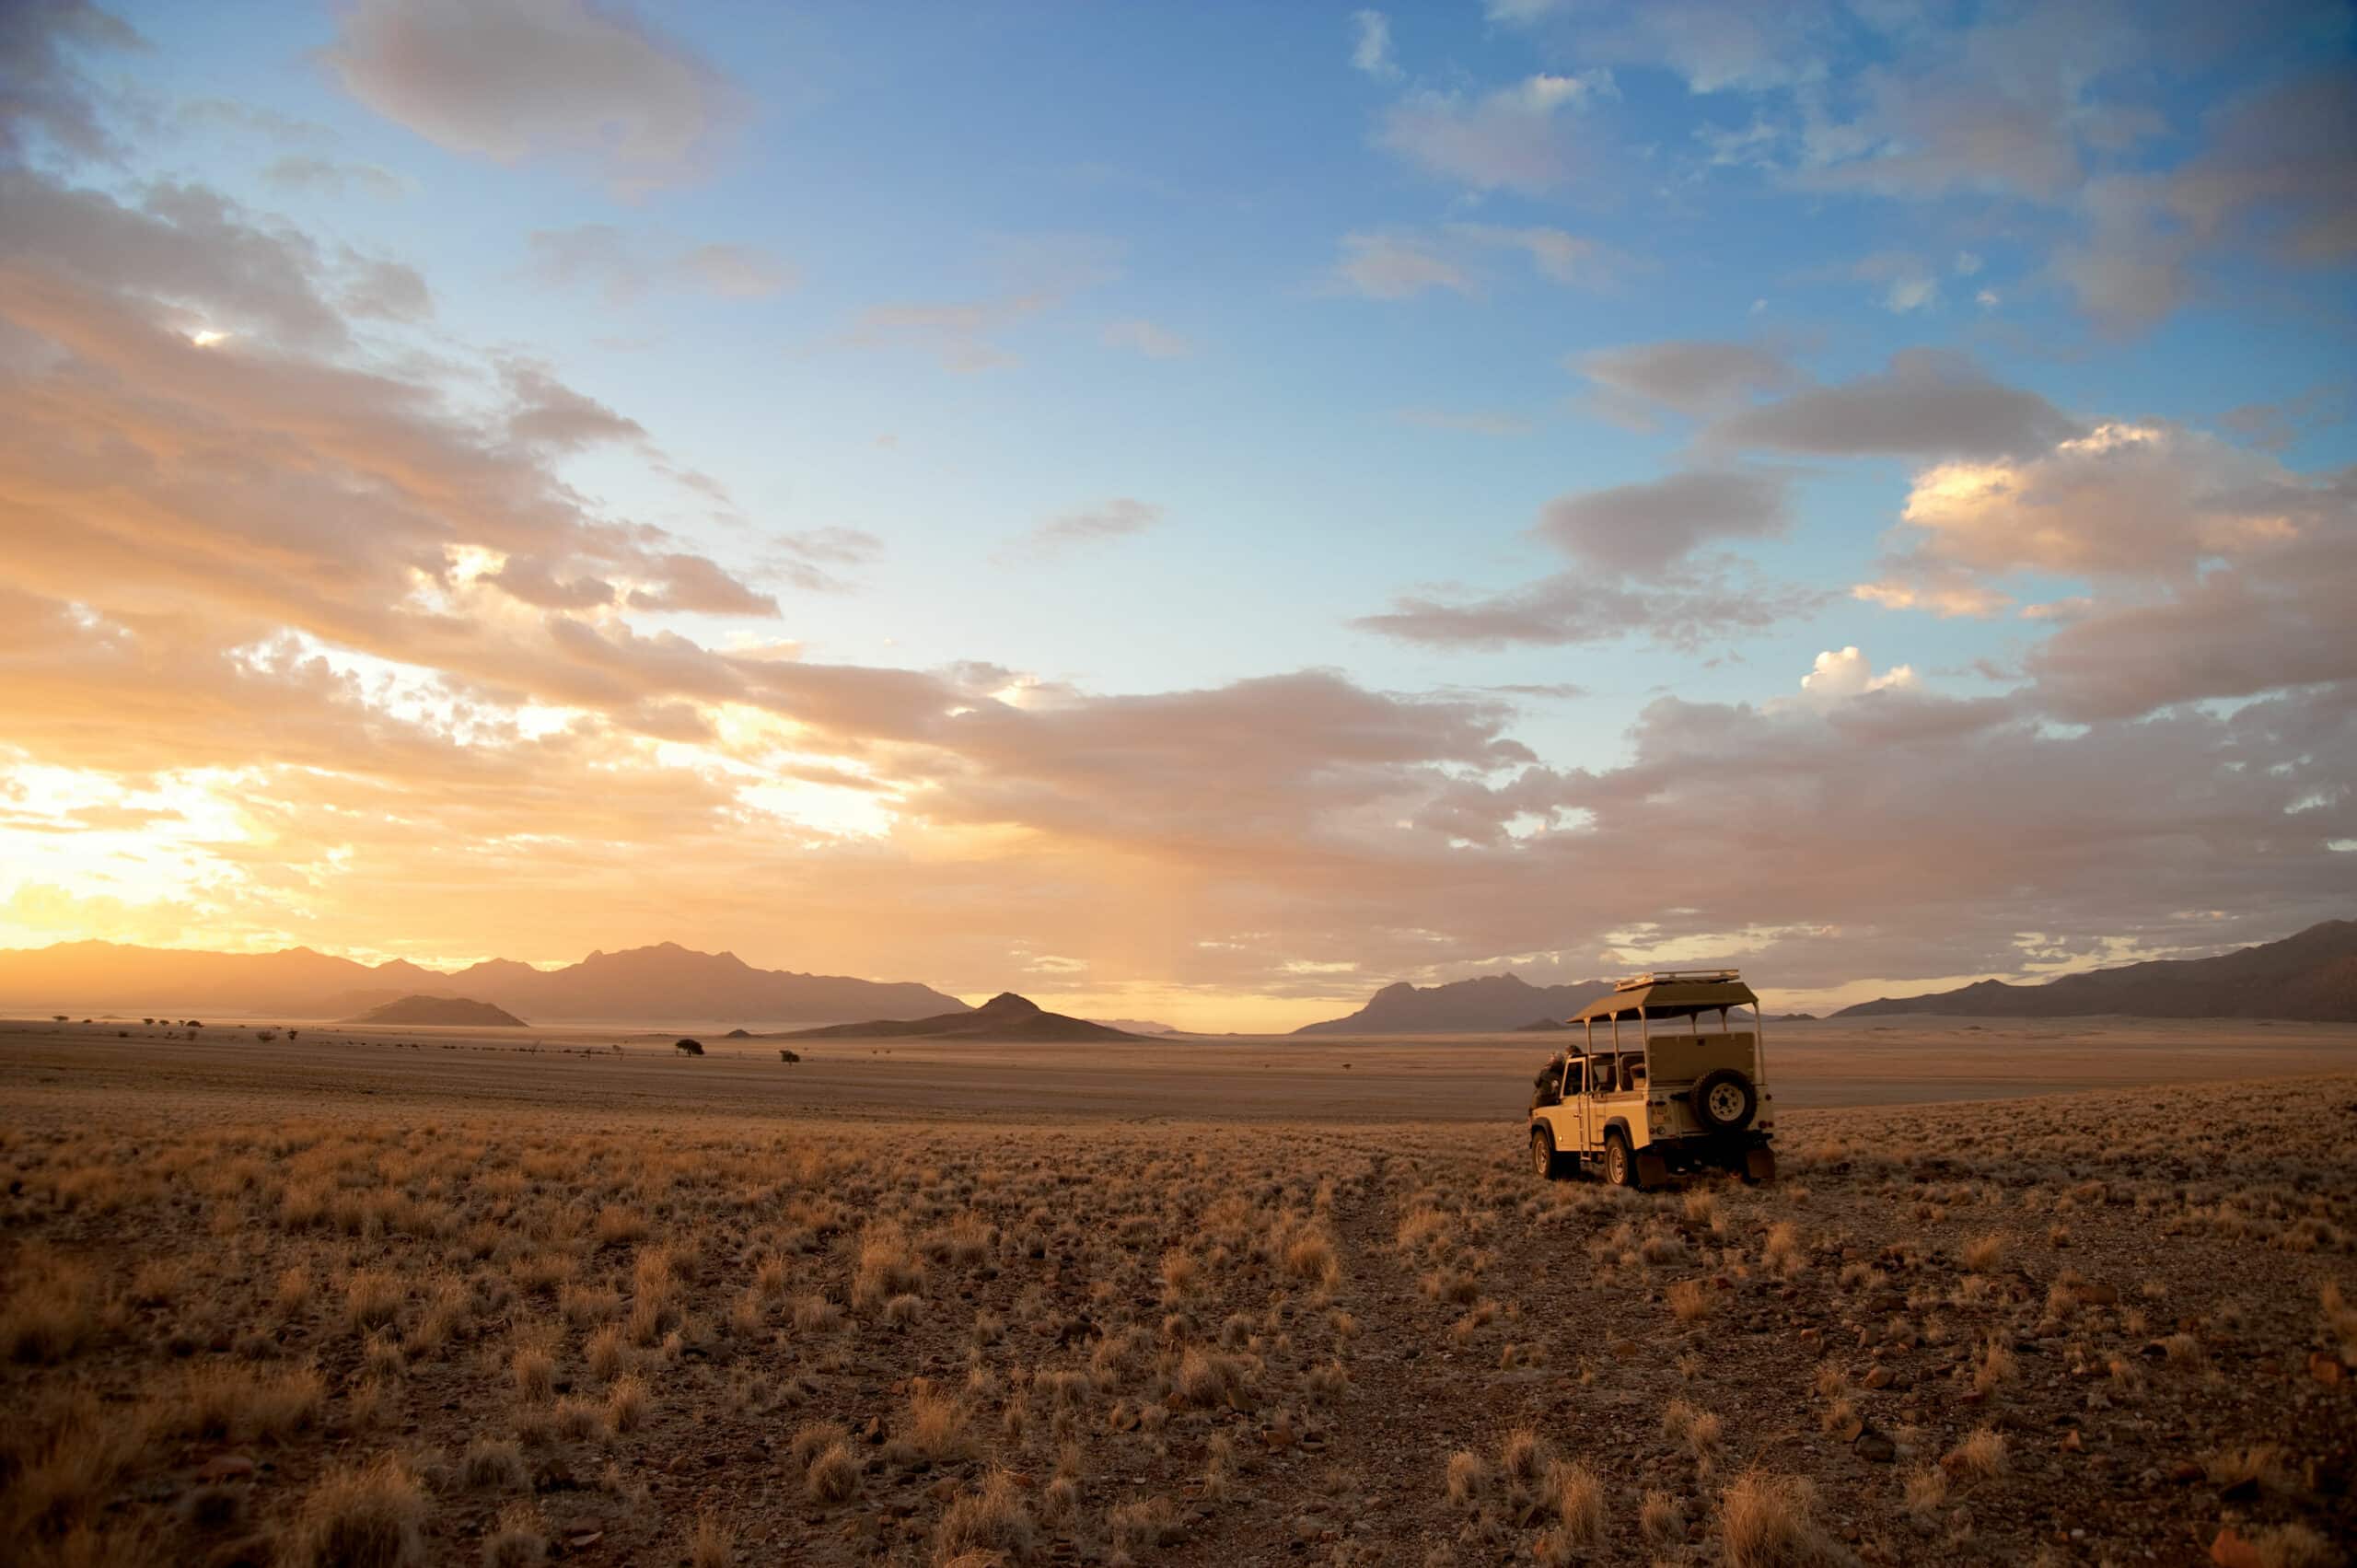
{"x":1619,"y":1164}
{"x":1545,"y":1162}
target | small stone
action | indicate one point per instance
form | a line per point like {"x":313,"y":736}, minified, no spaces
{"x":1880,"y":1377}
{"x":2326,"y":1369}
{"x":1873,"y":1447}
{"x":2231,"y":1551}
{"x":2184,"y":1472}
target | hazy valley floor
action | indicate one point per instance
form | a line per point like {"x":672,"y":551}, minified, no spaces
{"x":296,"y":1304}
{"x":1284,"y":1078}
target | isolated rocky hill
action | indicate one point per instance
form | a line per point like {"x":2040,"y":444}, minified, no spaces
{"x":1490,"y":1004}
{"x":449,"y":1011}
{"x":667,"y":981}
{"x":1004,"y":1016}
{"x":2310,"y":976}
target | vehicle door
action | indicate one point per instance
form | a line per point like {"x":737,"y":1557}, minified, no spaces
{"x":1570,"y":1126}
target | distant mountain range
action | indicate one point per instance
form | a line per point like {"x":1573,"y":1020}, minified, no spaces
{"x":662,"y":983}
{"x":1491,"y":1003}
{"x":441,"y":1011}
{"x":2311,"y":975}
{"x":1004,"y":1017}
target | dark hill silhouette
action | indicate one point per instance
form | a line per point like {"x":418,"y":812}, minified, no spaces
{"x":451,"y":1010}
{"x":1492,"y":1003}
{"x":2311,"y":975}
{"x":1004,"y":1017}
{"x":667,"y":981}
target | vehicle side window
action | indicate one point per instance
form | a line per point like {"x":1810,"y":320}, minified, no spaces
{"x":1604,"y":1082}
{"x":1572,"y":1075}
{"x":1632,"y":1072}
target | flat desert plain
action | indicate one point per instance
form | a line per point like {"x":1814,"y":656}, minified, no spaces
{"x":2071,"y":1291}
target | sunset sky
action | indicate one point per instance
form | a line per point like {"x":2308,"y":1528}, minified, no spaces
{"x":1189,"y":512}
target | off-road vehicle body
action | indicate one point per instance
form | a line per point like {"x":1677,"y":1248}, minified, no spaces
{"x":1646,"y":1090}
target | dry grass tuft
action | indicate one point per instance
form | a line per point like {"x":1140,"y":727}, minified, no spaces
{"x":1980,"y":1457}
{"x":1984,"y":1253}
{"x":991,"y":1520}
{"x":361,"y":1517}
{"x":1468,"y":1477}
{"x":1769,"y":1521}
{"x":711,"y":1544}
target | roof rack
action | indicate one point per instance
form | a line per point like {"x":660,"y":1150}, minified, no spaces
{"x":1676,"y":977}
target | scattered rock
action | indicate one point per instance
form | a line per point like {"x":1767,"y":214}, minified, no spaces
{"x":2231,"y":1551}
{"x":1873,"y":1447}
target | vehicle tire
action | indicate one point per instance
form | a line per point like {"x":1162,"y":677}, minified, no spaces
{"x":1724,"y":1102}
{"x":1545,"y":1162}
{"x":1619,"y":1161}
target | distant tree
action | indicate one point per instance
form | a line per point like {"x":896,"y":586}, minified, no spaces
{"x":785,"y":1055}
{"x":265,"y":1034}
{"x":689,"y":1046}
{"x":149,"y":1022}
{"x":57,"y":1017}
{"x":292,"y":1033}
{"x":195,"y":1024}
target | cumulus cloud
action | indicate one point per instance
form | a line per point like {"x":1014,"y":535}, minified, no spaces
{"x":515,"y":79}
{"x":1849,"y":673}
{"x":2219,"y":571}
{"x":1509,"y":138}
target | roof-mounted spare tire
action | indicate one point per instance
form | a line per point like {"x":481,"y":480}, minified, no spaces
{"x":1725,"y":1102}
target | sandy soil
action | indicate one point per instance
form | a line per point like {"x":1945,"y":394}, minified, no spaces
{"x":351,"y":1300}
{"x":1470,"y":1078}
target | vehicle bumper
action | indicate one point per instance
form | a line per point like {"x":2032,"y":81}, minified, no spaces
{"x":1740,"y":1151}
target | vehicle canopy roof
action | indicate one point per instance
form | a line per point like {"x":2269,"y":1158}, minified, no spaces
{"x":1671,"y":993}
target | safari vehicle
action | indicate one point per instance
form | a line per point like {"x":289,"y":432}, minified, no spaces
{"x":1647,"y":1090}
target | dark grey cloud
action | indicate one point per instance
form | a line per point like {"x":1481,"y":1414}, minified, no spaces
{"x":1570,"y":609}
{"x":1642,"y":529}
{"x":1693,"y":377}
{"x":44,"y":93}
{"x":514,"y":79}
{"x":1928,"y":403}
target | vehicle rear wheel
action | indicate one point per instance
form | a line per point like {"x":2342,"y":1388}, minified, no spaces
{"x":1619,"y":1164}
{"x":1725,"y":1102}
{"x":1545,"y":1162}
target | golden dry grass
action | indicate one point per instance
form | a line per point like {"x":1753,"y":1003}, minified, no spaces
{"x":455,"y":1336}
